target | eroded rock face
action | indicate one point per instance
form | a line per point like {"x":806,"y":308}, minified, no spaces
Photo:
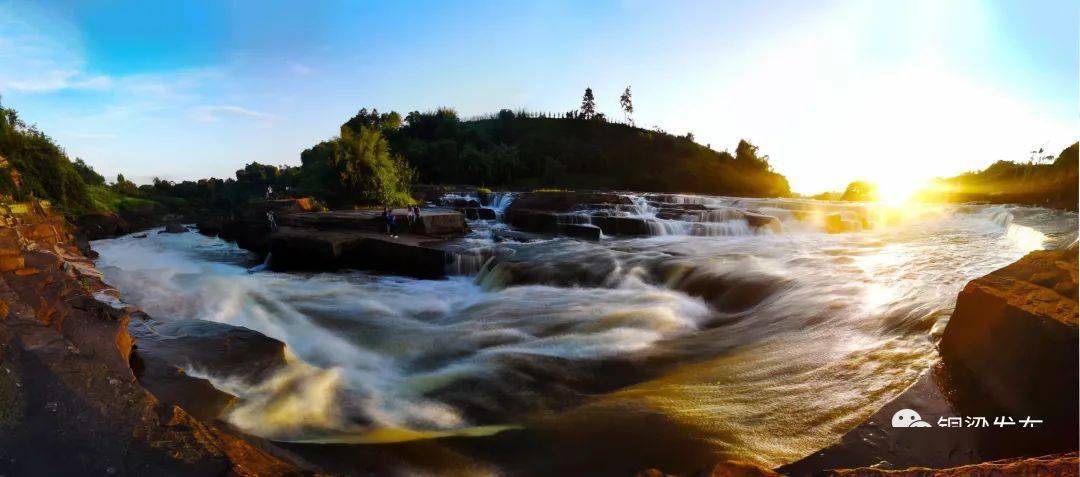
{"x":1064,"y":465}
{"x":1011,"y":344}
{"x":69,"y":401}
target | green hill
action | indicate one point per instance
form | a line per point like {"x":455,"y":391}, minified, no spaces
{"x":526,"y":151}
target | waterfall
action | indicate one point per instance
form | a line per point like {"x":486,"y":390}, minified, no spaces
{"x":469,"y":262}
{"x":501,"y":200}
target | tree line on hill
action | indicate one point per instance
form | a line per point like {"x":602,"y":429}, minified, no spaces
{"x":378,"y":157}
{"x":1044,"y":180}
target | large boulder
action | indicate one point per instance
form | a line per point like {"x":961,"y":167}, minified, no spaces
{"x":173,"y":227}
{"x":210,"y":225}
{"x":294,"y":248}
{"x":99,"y":226}
{"x":166,"y":351}
{"x":532,"y":220}
{"x":763,"y":221}
{"x":1012,"y":341}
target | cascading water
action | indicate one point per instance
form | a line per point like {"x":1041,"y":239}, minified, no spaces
{"x":500,"y":201}
{"x":704,"y":340}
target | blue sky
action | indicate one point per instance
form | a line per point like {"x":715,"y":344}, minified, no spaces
{"x":831,"y":90}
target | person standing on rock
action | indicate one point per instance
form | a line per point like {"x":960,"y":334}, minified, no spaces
{"x":391,"y":223}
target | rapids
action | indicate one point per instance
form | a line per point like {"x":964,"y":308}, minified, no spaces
{"x":736,"y":343}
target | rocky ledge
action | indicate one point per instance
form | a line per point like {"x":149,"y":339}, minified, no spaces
{"x":302,"y":238}
{"x":70,"y":402}
{"x":589,"y":215}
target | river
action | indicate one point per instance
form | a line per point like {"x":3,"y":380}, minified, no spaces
{"x":703,"y":342}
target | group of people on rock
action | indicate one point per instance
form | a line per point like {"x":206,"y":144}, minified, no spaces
{"x":391,"y":221}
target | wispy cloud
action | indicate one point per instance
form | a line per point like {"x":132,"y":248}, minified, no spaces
{"x":216,"y":113}
{"x":58,"y":80}
{"x":299,"y":68}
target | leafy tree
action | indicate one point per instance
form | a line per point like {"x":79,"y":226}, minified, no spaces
{"x":627,"y":105}
{"x":860,"y":191}
{"x":125,"y":186}
{"x":88,"y":174}
{"x":368,"y":170}
{"x":746,"y":153}
{"x":37,"y":167}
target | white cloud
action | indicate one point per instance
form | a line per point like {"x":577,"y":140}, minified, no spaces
{"x":218,"y":112}
{"x":57,"y":80}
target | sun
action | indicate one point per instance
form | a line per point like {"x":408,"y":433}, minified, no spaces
{"x":897,"y":191}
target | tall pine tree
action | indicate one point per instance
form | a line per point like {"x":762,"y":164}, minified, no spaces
{"x":588,"y":105}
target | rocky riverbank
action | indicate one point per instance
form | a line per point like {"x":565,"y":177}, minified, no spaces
{"x":70,"y":401}
{"x":1009,"y":354}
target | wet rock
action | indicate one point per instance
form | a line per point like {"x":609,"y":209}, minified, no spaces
{"x":581,"y":231}
{"x":1008,"y":351}
{"x":671,"y":214}
{"x":67,"y":388}
{"x":564,"y":201}
{"x":210,"y":226}
{"x":457,"y":202}
{"x":165,"y":350}
{"x":1011,"y":344}
{"x":764,"y":221}
{"x":633,"y":226}
{"x":248,"y":233}
{"x":486,"y":213}
{"x":532,"y":220}
{"x":470,"y":213}
{"x":294,"y":248}
{"x":174,"y":228}
{"x":840,"y":222}
{"x":100,"y":226}
{"x":216,"y":348}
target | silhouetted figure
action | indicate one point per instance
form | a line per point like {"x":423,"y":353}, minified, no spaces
{"x":391,"y":222}
{"x":270,"y":218}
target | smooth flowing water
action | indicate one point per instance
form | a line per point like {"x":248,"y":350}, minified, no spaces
{"x":712,"y":339}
